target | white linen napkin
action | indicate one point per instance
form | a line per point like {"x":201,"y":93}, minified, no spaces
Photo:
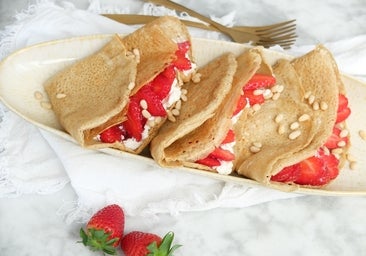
{"x":36,"y":161}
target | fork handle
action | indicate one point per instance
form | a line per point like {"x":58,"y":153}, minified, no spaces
{"x":181,"y":8}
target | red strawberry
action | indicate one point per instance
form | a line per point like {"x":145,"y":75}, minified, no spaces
{"x":138,"y":243}
{"x":253,"y":99}
{"x":242,"y":102}
{"x":112,"y":134}
{"x":183,"y":47}
{"x":209,"y":161}
{"x":162,"y":84}
{"x":182,"y":63}
{"x":331,"y":164}
{"x":343,"y":111}
{"x":317,"y":170}
{"x":222,"y":154}
{"x":230,"y":137}
{"x":104,"y":229}
{"x":334,"y":139}
{"x":154,"y":105}
{"x":287,"y":174}
{"x":259,"y":81}
{"x":312,"y":172}
{"x":134,"y":124}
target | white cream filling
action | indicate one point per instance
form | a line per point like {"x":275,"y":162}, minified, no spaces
{"x":226,"y":167}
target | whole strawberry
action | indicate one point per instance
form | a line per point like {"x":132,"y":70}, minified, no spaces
{"x":138,"y":243}
{"x":104,"y":229}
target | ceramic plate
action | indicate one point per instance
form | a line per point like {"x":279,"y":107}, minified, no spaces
{"x":24,"y":72}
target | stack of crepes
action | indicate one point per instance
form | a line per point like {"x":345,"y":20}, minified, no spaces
{"x":280,"y":125}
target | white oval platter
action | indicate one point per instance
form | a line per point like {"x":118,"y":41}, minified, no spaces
{"x":25,"y":71}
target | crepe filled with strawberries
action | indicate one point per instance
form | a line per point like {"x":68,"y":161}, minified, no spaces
{"x":162,"y":57}
{"x":202,"y":136}
{"x":300,"y":137}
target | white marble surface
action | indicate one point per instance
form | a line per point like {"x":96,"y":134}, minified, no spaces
{"x":309,"y":225}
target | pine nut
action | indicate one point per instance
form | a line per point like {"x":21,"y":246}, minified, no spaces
{"x":258,"y":92}
{"x":256,"y":107}
{"x":307,"y":95}
{"x":143,"y":104}
{"x":257,"y":144}
{"x":38,"y":95}
{"x":351,"y":158}
{"x":323,"y":105}
{"x":276,"y":96}
{"x":175,"y":112}
{"x":311,"y":99}
{"x":281,"y":129}
{"x":131,"y":85}
{"x":341,"y":144}
{"x":353,"y":165}
{"x":337,"y":151}
{"x":316,"y":105}
{"x":294,"y":134}
{"x":178,"y":105}
{"x":304,"y":117}
{"x":183,"y":97}
{"x":146,"y":114}
{"x":46,"y":105}
{"x":279,"y":118}
{"x":344,"y":133}
{"x":60,"y":95}
{"x":362,"y":134}
{"x":254,"y":149}
{"x":294,"y":125}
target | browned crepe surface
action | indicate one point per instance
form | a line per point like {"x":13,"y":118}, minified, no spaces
{"x":91,"y":95}
{"x":314,"y":72}
{"x":206,"y":116}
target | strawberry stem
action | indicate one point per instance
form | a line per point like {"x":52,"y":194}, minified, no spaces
{"x":98,"y":240}
{"x":165,"y":248}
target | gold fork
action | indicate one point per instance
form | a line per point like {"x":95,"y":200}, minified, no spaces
{"x":282,"y":34}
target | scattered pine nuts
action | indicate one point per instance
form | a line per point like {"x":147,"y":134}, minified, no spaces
{"x":60,"y":95}
{"x":46,"y":105}
{"x":311,"y":99}
{"x":344,"y":133}
{"x":316,"y":105}
{"x":362,"y":134}
{"x":307,"y":95}
{"x":175,"y":112}
{"x":323,"y":105}
{"x":131,"y":85}
{"x":38,"y":95}
{"x":257,"y":144}
{"x":281,"y":129}
{"x":143,"y":104}
{"x":295,"y":134}
{"x":258,"y":92}
{"x":294,"y":125}
{"x":304,"y":117}
{"x":353,"y":165}
{"x":145,"y":113}
{"x":196,"y":78}
{"x":279,"y":118}
{"x":178,"y":105}
{"x":254,"y":149}
{"x":341,"y":144}
{"x":276,"y":96}
{"x":256,"y":107}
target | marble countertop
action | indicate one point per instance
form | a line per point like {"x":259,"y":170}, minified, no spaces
{"x":309,"y":225}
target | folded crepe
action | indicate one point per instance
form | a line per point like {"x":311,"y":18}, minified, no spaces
{"x":206,"y":119}
{"x":293,"y":129}
{"x":146,"y":67}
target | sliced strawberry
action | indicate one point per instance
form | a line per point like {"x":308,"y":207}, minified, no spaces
{"x":222,"y":154}
{"x":242,"y":102}
{"x":209,"y":161}
{"x":182,"y":63}
{"x":112,"y":134}
{"x":230,"y":137}
{"x":135,"y":122}
{"x":343,"y":114}
{"x":259,"y":81}
{"x":183,"y":47}
{"x":335,"y":138}
{"x":154,"y":105}
{"x":343,"y":110}
{"x":162,"y":83}
{"x":312,"y":172}
{"x":253,"y":99}
{"x":287,"y":174}
{"x":331,"y":164}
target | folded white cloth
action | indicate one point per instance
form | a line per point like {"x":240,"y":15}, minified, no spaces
{"x":36,"y":161}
